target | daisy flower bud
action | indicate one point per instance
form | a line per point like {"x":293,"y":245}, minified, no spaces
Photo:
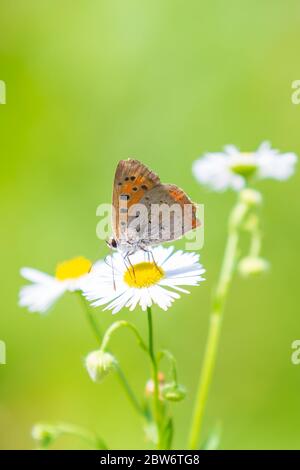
{"x":173,"y":392}
{"x":149,"y":389}
{"x":251,"y":197}
{"x":99,"y":364}
{"x":253,"y":266}
{"x":44,"y":434}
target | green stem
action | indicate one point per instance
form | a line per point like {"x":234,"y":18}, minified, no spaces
{"x":236,"y":218}
{"x":121,"y":324}
{"x":84,"y":434}
{"x":255,"y":246}
{"x":55,"y":431}
{"x":94,"y":325}
{"x":167,"y":354}
{"x":130,"y":394}
{"x":122,"y":378}
{"x":154,"y":374}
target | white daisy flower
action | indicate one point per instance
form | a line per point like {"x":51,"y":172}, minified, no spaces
{"x":45,"y":290}
{"x":145,"y":282}
{"x":232,"y":168}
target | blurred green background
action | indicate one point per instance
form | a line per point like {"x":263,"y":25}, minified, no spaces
{"x":89,"y":83}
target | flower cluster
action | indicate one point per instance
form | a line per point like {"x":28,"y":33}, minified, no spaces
{"x":141,"y":280}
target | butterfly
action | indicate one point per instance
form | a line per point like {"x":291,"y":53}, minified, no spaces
{"x":147,"y":212}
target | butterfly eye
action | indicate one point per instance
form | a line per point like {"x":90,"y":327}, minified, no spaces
{"x":111,"y":243}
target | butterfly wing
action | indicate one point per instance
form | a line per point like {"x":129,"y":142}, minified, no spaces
{"x":176,"y":216}
{"x":133,"y":181}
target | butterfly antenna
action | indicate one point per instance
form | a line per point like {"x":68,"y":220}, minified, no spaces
{"x":129,"y":265}
{"x":126,"y":265}
{"x":132,"y":267}
{"x":153,"y":259}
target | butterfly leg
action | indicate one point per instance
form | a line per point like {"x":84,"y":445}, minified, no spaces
{"x":147,"y":254}
{"x":126,"y":263}
{"x":129,"y":265}
{"x":154,"y":262}
{"x":150,"y":254}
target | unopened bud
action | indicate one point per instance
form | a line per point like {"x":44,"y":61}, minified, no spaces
{"x":173,"y":392}
{"x":251,"y":197}
{"x":99,"y":364}
{"x":44,"y":434}
{"x":149,"y":389}
{"x":253,"y":266}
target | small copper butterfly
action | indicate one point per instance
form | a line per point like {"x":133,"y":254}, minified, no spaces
{"x":147,"y":212}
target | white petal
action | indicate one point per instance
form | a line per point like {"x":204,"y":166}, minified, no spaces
{"x":163,"y":297}
{"x":34,"y":275}
{"x":118,"y":303}
{"x":214,"y":171}
{"x":264,"y":147}
{"x":231,"y":150}
{"x":135,"y":299}
{"x":40,"y":297}
{"x":145,"y":299}
{"x":162,"y":254}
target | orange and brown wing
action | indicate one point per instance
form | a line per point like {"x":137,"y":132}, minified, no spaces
{"x":132,"y":182}
{"x":180,"y":197}
{"x":180,"y":219}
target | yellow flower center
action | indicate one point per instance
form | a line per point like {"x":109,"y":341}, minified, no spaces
{"x":73,"y":268}
{"x":244,"y":165}
{"x":143,"y":274}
